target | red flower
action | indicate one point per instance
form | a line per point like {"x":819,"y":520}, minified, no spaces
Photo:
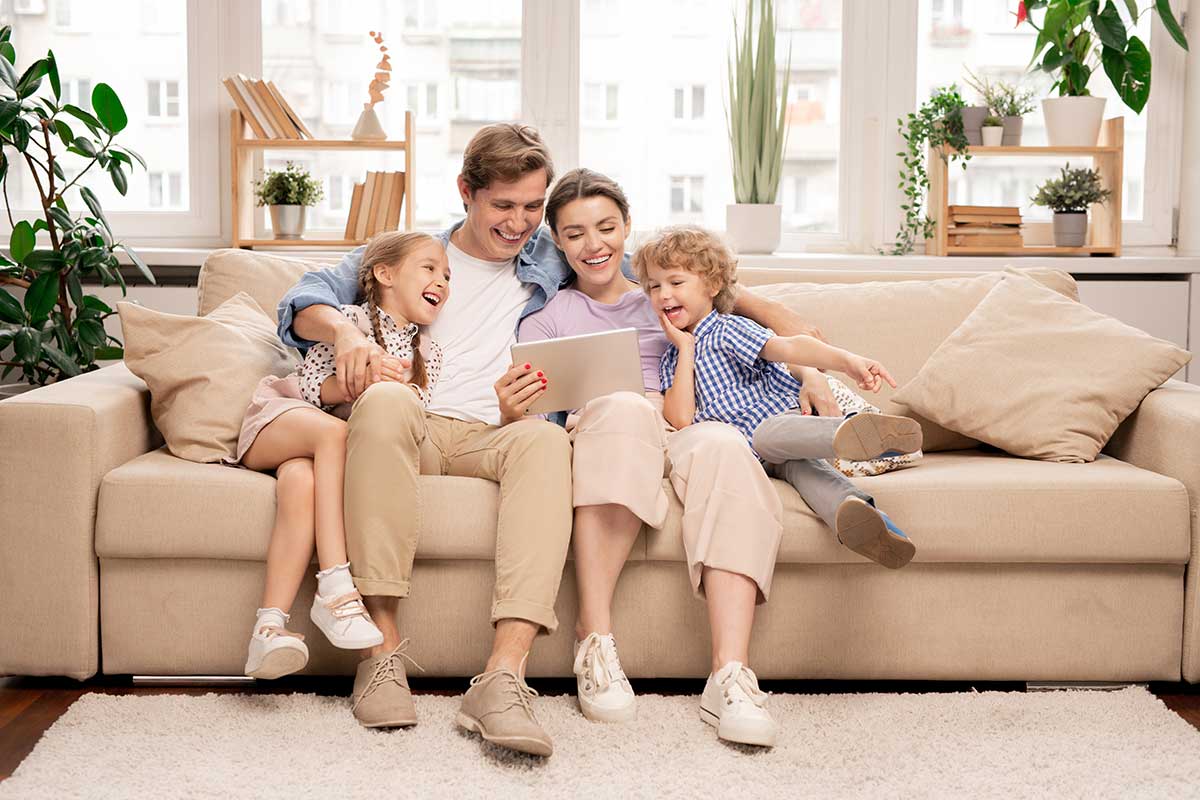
{"x":1022,"y":14}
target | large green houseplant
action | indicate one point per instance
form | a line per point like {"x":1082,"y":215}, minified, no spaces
{"x":1077,"y":36}
{"x":58,"y":331}
{"x":757,"y":122}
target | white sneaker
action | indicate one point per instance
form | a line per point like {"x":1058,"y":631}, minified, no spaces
{"x":604,"y":692}
{"x":275,"y":652}
{"x":345,"y":622}
{"x":733,"y":704}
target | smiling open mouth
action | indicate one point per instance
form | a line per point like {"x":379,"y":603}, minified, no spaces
{"x":672,"y":311}
{"x":598,"y":260}
{"x":431,"y":298}
{"x":510,"y":238}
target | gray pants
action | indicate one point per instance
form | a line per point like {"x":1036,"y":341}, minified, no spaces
{"x":795,"y":447}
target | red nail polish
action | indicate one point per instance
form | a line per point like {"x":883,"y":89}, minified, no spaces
{"x":526,"y":366}
{"x":543,"y":381}
{"x":540,"y":375}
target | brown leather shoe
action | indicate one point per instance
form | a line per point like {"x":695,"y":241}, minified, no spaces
{"x":381,"y":697}
{"x":864,"y":437}
{"x":497,"y":707}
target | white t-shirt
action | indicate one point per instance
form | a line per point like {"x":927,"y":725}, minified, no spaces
{"x":476,"y":330}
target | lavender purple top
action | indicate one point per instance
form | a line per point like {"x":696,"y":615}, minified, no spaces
{"x":573,"y":313}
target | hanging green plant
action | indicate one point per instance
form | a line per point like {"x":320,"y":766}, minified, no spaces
{"x":936,"y":123}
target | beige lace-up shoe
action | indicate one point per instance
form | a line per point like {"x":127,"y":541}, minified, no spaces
{"x":497,"y":707}
{"x":381,"y":697}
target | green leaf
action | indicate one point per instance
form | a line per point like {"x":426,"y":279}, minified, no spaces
{"x":109,"y":110}
{"x":62,"y":218}
{"x":136,"y":157}
{"x":9,"y":109}
{"x":118,"y":177}
{"x":109,"y":353}
{"x":20,"y":243}
{"x":96,"y":304}
{"x":1136,"y":91}
{"x":1163,"y":7}
{"x":21,"y":131}
{"x":32,"y":79}
{"x":45,"y":261}
{"x":1110,"y":27}
{"x":60,"y":360}
{"x":41,"y":297}
{"x":75,"y":289}
{"x":84,"y":117}
{"x":52,"y":72}
{"x":10,"y":309}
{"x":1131,"y":7}
{"x":28,"y":345}
{"x":91,"y":332}
{"x":64,"y":132}
{"x":7,"y":73}
{"x":7,"y":51}
{"x":140,"y":264}
{"x":87,"y":146}
{"x":93,"y":204}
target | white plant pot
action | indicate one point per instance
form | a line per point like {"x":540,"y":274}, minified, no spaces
{"x":287,"y":222}
{"x":1070,"y":228}
{"x":754,"y":227}
{"x":1073,"y":121}
{"x":993,"y":135}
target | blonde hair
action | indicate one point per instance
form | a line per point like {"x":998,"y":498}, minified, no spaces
{"x":504,"y":151}
{"x":695,"y":250}
{"x":389,"y":249}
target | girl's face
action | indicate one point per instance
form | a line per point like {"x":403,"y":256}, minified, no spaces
{"x":685,"y":298}
{"x":591,"y":233}
{"x":418,"y":286}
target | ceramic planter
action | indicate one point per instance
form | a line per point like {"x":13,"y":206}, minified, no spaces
{"x":754,"y":227}
{"x":973,"y":117}
{"x":368,"y":128}
{"x":287,"y":222}
{"x":1073,"y":121}
{"x":1070,"y":228}
{"x":1012,"y":131}
{"x":993,"y":135}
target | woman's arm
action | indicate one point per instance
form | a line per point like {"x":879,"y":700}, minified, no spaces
{"x":679,"y":401}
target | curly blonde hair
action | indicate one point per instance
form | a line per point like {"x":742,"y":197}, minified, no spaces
{"x":696,"y":250}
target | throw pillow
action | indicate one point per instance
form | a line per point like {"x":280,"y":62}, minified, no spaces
{"x":202,"y":371}
{"x":1039,"y":376}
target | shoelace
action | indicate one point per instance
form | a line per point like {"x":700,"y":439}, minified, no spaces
{"x":271,"y":631}
{"x":347,"y":606}
{"x":741,"y":677}
{"x":592,"y":662}
{"x":388,"y":669}
{"x":519,"y":689}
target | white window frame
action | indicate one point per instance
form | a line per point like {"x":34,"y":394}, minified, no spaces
{"x":164,"y":98}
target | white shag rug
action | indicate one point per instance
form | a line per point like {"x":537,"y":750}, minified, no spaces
{"x":981,"y":745}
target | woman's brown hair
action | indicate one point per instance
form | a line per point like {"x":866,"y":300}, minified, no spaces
{"x":390,"y":249}
{"x":578,"y":184}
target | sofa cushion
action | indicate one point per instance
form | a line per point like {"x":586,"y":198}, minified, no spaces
{"x":901,"y":323}
{"x":1039,"y":376}
{"x":975,"y":507}
{"x":263,"y":276}
{"x":160,"y":506}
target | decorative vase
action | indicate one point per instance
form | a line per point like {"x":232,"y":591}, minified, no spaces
{"x":1073,"y":121}
{"x":972,"y":118}
{"x":993,"y":135}
{"x":754,"y":227}
{"x":1013,"y":126}
{"x":287,"y":222}
{"x":368,"y":127}
{"x":1070,"y":228}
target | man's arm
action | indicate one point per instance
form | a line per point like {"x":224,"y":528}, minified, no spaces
{"x":773,"y":315}
{"x":328,"y":288}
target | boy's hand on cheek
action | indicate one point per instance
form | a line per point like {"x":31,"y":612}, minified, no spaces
{"x":682,"y":340}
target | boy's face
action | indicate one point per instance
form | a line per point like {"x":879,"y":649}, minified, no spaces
{"x":685,"y":298}
{"x":501,"y":217}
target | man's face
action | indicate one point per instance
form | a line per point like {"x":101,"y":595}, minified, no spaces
{"x":501,"y":217}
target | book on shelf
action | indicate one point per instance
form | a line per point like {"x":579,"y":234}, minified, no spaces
{"x":264,"y":109}
{"x":995,"y":211}
{"x":246,"y":105}
{"x":364,"y":210}
{"x":382,"y":198}
{"x":983,"y":230}
{"x":395,"y":202}
{"x":290,"y":112}
{"x":375,"y":205}
{"x":984,"y":219}
{"x":352,"y":219}
{"x":1013,"y":239}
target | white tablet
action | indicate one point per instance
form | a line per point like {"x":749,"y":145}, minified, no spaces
{"x":582,"y":368}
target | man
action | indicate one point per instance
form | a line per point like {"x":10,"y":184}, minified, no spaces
{"x":503,"y":269}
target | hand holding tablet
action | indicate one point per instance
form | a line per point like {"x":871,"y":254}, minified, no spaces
{"x":581,"y":368}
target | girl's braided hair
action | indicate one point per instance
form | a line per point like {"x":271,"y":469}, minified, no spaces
{"x":389,"y":249}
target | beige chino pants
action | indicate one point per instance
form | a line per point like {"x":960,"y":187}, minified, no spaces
{"x":392,"y":440}
{"x":732,"y":516}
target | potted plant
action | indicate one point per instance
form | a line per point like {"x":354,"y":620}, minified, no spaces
{"x":1075,"y":37}
{"x":1069,"y":196}
{"x":288,"y":193}
{"x":972,"y":118}
{"x":757,"y":124}
{"x":992,"y":131}
{"x":1008,"y":101}
{"x":57,"y":331}
{"x":936,"y":123}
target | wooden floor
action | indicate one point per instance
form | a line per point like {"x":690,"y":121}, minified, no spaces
{"x":28,"y":706}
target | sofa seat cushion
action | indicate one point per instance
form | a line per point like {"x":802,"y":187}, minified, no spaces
{"x":971,"y":506}
{"x":160,"y":506}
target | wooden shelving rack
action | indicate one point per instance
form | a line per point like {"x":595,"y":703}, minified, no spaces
{"x":242,"y":162}
{"x":1104,"y":224}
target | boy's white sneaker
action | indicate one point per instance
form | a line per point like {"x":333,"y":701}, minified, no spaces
{"x":345,"y":622}
{"x":275,"y":652}
{"x":604,"y":692}
{"x":733,"y":704}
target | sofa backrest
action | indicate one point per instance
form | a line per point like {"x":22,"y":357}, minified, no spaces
{"x":263,"y":276}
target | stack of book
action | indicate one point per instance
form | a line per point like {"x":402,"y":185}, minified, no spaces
{"x":265,"y":110}
{"x":375,"y":205}
{"x":985,"y":226}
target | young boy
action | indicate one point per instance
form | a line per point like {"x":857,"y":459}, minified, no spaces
{"x":726,"y":368}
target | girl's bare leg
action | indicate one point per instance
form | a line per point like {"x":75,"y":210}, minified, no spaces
{"x":291,"y":549}
{"x":602,"y":538}
{"x":731,"y":598}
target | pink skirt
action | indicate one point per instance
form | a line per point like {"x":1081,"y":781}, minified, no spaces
{"x":272,"y":397}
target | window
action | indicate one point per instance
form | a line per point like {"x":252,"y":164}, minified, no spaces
{"x":78,"y":92}
{"x":63,"y":13}
{"x":335,"y":193}
{"x":29,"y":6}
{"x":165,"y":189}
{"x":162,"y":98}
{"x":600,"y":102}
{"x":689,"y":102}
{"x":687,"y":194}
{"x":158,"y":17}
{"x":416,"y":92}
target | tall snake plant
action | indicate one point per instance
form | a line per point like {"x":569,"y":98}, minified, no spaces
{"x":756,"y":115}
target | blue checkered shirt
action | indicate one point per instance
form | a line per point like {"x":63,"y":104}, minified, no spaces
{"x":733,"y":384}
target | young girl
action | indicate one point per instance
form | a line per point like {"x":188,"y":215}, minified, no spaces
{"x":405,"y":280}
{"x":724,"y":367}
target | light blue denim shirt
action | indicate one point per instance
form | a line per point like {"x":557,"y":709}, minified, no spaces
{"x":540,"y":264}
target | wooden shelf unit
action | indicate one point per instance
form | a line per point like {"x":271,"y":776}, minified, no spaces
{"x":1104,"y":223}
{"x":242,"y":163}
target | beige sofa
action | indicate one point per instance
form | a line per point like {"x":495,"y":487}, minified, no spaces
{"x":117,"y":557}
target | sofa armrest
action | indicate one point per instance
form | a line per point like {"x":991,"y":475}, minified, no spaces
{"x":1163,"y":436}
{"x":56,"y":444}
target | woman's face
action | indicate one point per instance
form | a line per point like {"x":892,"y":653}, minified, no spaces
{"x":591,"y":233}
{"x":418,"y":287}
